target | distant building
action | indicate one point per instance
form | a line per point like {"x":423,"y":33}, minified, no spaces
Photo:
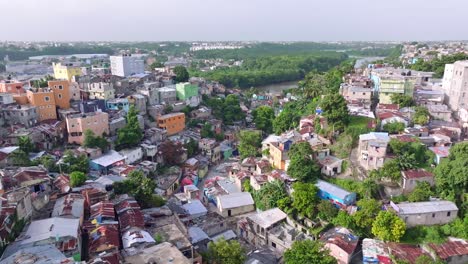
{"x":172,"y":123}
{"x":77,"y":124}
{"x":411,"y":178}
{"x":101,"y":90}
{"x":426,"y":213}
{"x":9,"y":86}
{"x":126,"y":65}
{"x":235,"y":204}
{"x":20,"y":114}
{"x":62,"y":93}
{"x":65,"y":72}
{"x":455,"y":84}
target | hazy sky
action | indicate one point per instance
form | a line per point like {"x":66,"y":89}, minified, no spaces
{"x":313,"y":20}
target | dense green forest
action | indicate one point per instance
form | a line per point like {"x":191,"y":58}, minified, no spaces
{"x":259,"y":71}
{"x":16,"y":53}
{"x":437,"y":65}
{"x":391,"y":52}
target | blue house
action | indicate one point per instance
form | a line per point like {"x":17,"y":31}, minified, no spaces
{"x":335,"y":194}
{"x":118,"y":104}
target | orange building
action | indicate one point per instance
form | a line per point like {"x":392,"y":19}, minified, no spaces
{"x":13,"y":87}
{"x":44,"y":101}
{"x":77,"y":124}
{"x":62,"y":93}
{"x":173,"y":123}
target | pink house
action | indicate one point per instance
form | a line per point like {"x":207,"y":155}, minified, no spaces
{"x":77,"y":124}
{"x":341,"y":243}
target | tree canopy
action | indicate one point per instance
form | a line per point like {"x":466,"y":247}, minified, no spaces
{"x":263,"y":117}
{"x":308,"y":252}
{"x":269,"y":195}
{"x":305,"y":198}
{"x":402,"y":100}
{"x":226,"y":252}
{"x":77,"y":178}
{"x":182,"y":75}
{"x":250,"y":143}
{"x":302,"y":166}
{"x":388,"y":227}
{"x":93,"y":141}
{"x":335,"y":109}
{"x":421,"y":115}
{"x":131,"y":134}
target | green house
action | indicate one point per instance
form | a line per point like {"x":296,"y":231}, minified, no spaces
{"x":186,"y":90}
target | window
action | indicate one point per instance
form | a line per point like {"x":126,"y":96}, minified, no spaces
{"x":273,"y":244}
{"x":448,"y":214}
{"x":433,"y":215}
{"x":46,"y":98}
{"x":60,"y":96}
{"x":60,"y":87}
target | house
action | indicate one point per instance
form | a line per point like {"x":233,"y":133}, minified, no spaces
{"x":391,"y":117}
{"x":139,"y":102}
{"x":69,"y":206}
{"x":158,"y":254}
{"x":353,"y":93}
{"x":21,"y":198}
{"x":426,"y":213}
{"x":410,"y":179}
{"x":338,"y":196}
{"x":454,"y":251}
{"x":257,"y":181}
{"x":131,"y":219}
{"x":440,"y":153}
{"x":194,"y":209}
{"x":375,"y":251}
{"x":210,"y":149}
{"x":136,"y":238}
{"x":254,"y":228}
{"x":132,"y":155}
{"x":64,"y":233}
{"x":331,"y":165}
{"x":406,"y":252}
{"x":93,"y":196}
{"x":118,"y":104}
{"x":77,"y":124}
{"x":372,"y":150}
{"x":65,"y":71}
{"x":103,"y":238}
{"x":440,"y":112}
{"x":44,"y":101}
{"x":41,"y":254}
{"x":101,"y":90}
{"x":107,"y":161}
{"x":102,"y":212}
{"x":262,"y":256}
{"x":172,"y":123}
{"x":341,"y":242}
{"x":235,"y":204}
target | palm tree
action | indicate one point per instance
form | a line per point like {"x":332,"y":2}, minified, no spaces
{"x":369,"y":187}
{"x":313,"y":85}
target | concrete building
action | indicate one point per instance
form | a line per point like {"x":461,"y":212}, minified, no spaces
{"x":411,"y":178}
{"x":335,"y":194}
{"x":101,"y":90}
{"x":455,"y":85}
{"x":372,"y":150}
{"x":10,"y":86}
{"x":132,"y":155}
{"x":341,"y":242}
{"x":77,"y":124}
{"x":235,"y":204}
{"x":356,"y":94}
{"x":150,"y":90}
{"x":139,"y":102}
{"x":167,"y":95}
{"x":118,"y":104}
{"x":44,"y":101}
{"x":20,"y":114}
{"x":173,"y":123}
{"x":65,"y":72}
{"x":6,"y":99}
{"x":61,"y":89}
{"x":126,"y":65}
{"x":426,"y":213}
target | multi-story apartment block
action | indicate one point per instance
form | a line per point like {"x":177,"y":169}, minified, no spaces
{"x":173,"y":123}
{"x":186,"y":91}
{"x":62,"y":94}
{"x":150,"y":90}
{"x":20,"y":114}
{"x":126,"y":65}
{"x":373,"y":149}
{"x":44,"y":101}
{"x":77,"y":124}
{"x":167,"y":95}
{"x":9,"y":86}
{"x":455,"y":85}
{"x":101,"y":90}
{"x":66,"y":72}
{"x":356,"y":94}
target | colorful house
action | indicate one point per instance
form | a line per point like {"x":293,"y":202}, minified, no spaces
{"x":335,"y":194}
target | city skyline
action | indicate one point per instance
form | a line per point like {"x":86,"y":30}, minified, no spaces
{"x":241,"y":20}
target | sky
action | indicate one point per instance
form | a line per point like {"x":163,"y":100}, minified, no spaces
{"x":244,"y":20}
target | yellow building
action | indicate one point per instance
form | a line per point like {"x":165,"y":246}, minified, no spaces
{"x":65,"y":72}
{"x":44,"y":101}
{"x":173,"y":123}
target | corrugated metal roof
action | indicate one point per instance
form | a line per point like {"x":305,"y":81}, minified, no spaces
{"x":426,"y":207}
{"x":332,"y":189}
{"x":234,"y":200}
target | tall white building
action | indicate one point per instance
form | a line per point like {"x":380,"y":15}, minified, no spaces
{"x":126,"y":65}
{"x":455,"y":85}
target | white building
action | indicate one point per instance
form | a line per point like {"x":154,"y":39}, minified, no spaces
{"x":132,"y":155}
{"x":126,"y":65}
{"x":455,"y":84}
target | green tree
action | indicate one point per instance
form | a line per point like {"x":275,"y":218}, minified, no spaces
{"x":250,"y":143}
{"x":263,"y":117}
{"x":326,"y":210}
{"x":388,"y":227}
{"x":182,"y":75}
{"x":156,"y":64}
{"x":302,"y":166}
{"x":394,"y":127}
{"x":288,"y":118}
{"x":93,"y":141}
{"x":231,"y":109}
{"x":269,"y":195}
{"x":369,"y":188}
{"x":368,"y":209}
{"x":25,"y":144}
{"x":191,"y":147}
{"x":421,"y":115}
{"x":451,"y":176}
{"x":390,"y":170}
{"x":305,"y":198}
{"x":335,"y":109}
{"x":77,"y":178}
{"x":308,"y":252}
{"x":313,"y":85}
{"x":207,"y":131}
{"x":72,"y":162}
{"x":402,"y":100}
{"x":421,"y":193}
{"x":226,"y":252}
{"x":343,"y":219}
{"x":19,"y":158}
{"x":131,"y":134}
